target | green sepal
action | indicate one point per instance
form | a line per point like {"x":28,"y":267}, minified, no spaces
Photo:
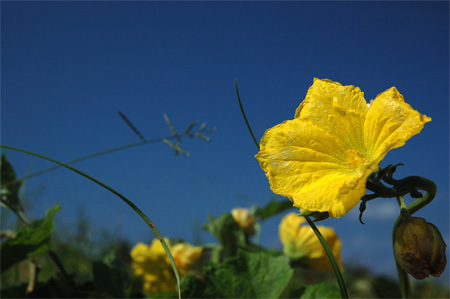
{"x":318,"y":216}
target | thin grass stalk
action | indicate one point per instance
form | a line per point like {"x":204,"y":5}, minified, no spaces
{"x":126,"y":200}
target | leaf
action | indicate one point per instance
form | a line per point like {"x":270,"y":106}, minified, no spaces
{"x":192,"y":287}
{"x":249,"y":275}
{"x":32,"y":240}
{"x":321,"y":290}
{"x":110,"y":277}
{"x":272,"y":208}
{"x":10,"y":187}
{"x":228,"y":233}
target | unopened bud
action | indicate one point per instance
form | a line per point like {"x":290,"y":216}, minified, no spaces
{"x":419,"y":248}
{"x":245,"y":219}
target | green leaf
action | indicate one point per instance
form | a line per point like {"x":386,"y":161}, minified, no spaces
{"x":32,"y":240}
{"x":110,"y":277}
{"x":192,"y":287}
{"x":249,"y":275}
{"x":10,"y":187}
{"x":228,"y":233}
{"x":320,"y":290}
{"x":272,"y":208}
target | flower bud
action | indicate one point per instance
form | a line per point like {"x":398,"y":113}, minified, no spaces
{"x":245,"y":219}
{"x":419,"y":248}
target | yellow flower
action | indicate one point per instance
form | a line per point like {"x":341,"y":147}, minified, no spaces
{"x":185,"y":256}
{"x":152,"y":264}
{"x":300,"y":243}
{"x":322,"y":158}
{"x":245,"y":219}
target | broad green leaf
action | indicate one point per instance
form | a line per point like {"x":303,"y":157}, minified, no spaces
{"x":272,"y":208}
{"x":249,"y":275}
{"x":9,"y":186}
{"x":228,"y":233}
{"x":321,"y":290}
{"x":32,"y":240}
{"x":110,"y":277}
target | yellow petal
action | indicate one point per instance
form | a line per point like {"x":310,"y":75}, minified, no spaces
{"x":335,"y":193}
{"x":292,"y":152}
{"x":292,"y":236}
{"x":300,"y":242}
{"x":186,"y":256}
{"x":308,"y":165}
{"x":318,"y":258}
{"x":389,"y":123}
{"x":339,"y":110}
{"x":289,"y":227}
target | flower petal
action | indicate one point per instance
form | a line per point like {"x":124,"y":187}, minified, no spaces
{"x":389,"y":123}
{"x":318,"y":258}
{"x":336,"y":193}
{"x":339,"y":110}
{"x":308,"y":165}
{"x":289,"y":227}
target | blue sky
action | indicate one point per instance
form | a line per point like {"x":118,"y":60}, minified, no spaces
{"x":67,"y":67}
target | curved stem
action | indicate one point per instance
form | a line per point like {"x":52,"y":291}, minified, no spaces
{"x":126,"y":200}
{"x":334,"y":263}
{"x":245,"y":117}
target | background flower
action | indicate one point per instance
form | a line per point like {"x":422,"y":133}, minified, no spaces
{"x":322,"y":158}
{"x":153,"y":266}
{"x":300,"y":243}
{"x":245,"y":219}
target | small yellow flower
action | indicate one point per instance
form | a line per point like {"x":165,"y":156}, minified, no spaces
{"x":301,"y":243}
{"x":152,"y":264}
{"x":245,"y":219}
{"x":185,"y":256}
{"x":322,"y":158}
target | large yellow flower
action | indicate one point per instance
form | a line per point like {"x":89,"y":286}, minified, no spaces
{"x":322,"y":158}
{"x":153,"y":266}
{"x":300,"y":243}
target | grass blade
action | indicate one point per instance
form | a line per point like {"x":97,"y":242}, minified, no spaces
{"x":126,"y":200}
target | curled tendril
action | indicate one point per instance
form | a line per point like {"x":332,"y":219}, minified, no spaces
{"x":409,"y":185}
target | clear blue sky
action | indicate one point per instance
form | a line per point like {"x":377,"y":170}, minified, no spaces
{"x":67,"y":67}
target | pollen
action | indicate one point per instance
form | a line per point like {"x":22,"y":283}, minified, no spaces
{"x":354,"y":159}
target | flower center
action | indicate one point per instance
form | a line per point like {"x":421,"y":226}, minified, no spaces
{"x":354,"y":159}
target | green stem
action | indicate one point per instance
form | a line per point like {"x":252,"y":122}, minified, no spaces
{"x":414,"y":183}
{"x":126,"y":200}
{"x":334,"y":263}
{"x":245,"y":117}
